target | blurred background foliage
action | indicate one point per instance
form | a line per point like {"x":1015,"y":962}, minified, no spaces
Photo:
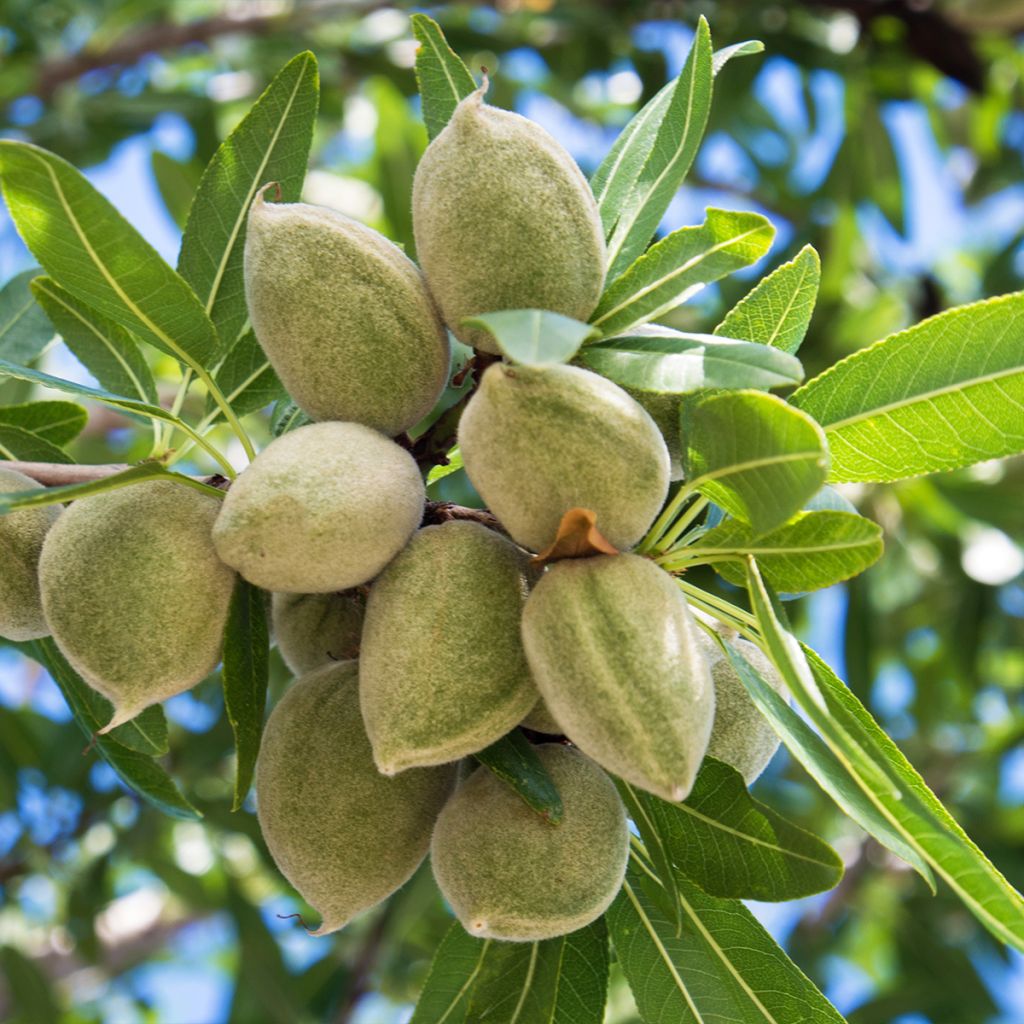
{"x":888,"y":133}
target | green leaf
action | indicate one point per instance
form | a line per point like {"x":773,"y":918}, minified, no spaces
{"x":245,"y":676}
{"x":246,"y":379}
{"x":125,"y":404}
{"x":30,"y":995}
{"x":732,"y":846}
{"x":56,"y":422}
{"x":534,"y":337}
{"x":680,"y":265}
{"x":815,"y":550}
{"x":271,"y":143}
{"x":138,"y":770}
{"x":778,"y":310}
{"x":456,"y":966}
{"x":934,"y":831}
{"x":453,"y":465}
{"x":557,"y":981}
{"x":662,"y":360}
{"x":176,"y":181}
{"x":657,"y":163}
{"x":754,"y":455}
{"x":943,"y":394}
{"x":24,"y":329}
{"x":722,"y":966}
{"x":516,"y":763}
{"x":72,"y":492}
{"x":747,"y":48}
{"x":442,"y":77}
{"x":108,"y":351}
{"x":86,"y":246}
{"x":287,"y":416}
{"x":833,"y":775}
{"x":19,"y":444}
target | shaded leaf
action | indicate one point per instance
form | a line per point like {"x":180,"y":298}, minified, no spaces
{"x":946,"y":393}
{"x":56,"y":422}
{"x":514,"y":760}
{"x":680,"y":265}
{"x":139,"y":771}
{"x":246,"y":379}
{"x":665,"y":361}
{"x":19,"y":444}
{"x":24,"y":329}
{"x":108,"y":351}
{"x":442,"y":77}
{"x":245,"y":674}
{"x":176,"y":181}
{"x":778,"y":310}
{"x":754,"y":455}
{"x":271,"y":143}
{"x":456,"y":966}
{"x":815,"y":550}
{"x":534,"y":337}
{"x":86,"y":246}
{"x":733,"y":846}
{"x":661,"y":158}
{"x":722,"y":966}
{"x":287,"y":416}
{"x":29,"y":991}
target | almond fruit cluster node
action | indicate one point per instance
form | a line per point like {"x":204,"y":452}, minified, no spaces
{"x":416,"y":647}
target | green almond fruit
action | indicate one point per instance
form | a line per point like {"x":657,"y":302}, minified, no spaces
{"x":312,"y":630}
{"x":616,"y":655}
{"x":321,"y":509}
{"x":508,"y":874}
{"x":134,"y":593}
{"x":504,"y":219}
{"x":541,"y":720}
{"x":344,"y":835}
{"x":442,"y":671}
{"x":344,"y":316}
{"x":21,"y":540}
{"x":538,"y":441}
{"x":664,"y":410}
{"x":741,"y":735}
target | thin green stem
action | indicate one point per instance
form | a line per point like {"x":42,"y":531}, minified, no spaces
{"x":673,"y":534}
{"x":165,"y":435}
{"x":725,"y":611}
{"x":197,"y":438}
{"x":662,"y":523}
{"x":678,"y":561}
{"x":229,"y":414}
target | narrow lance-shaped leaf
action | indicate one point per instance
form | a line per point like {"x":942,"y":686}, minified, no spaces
{"x":754,"y":455}
{"x":442,"y":77}
{"x":816,"y":550}
{"x":56,"y":422}
{"x":823,"y":765}
{"x":129,"y":405}
{"x":722,"y":966}
{"x":245,"y":676}
{"x":665,"y":361}
{"x":733,"y":846}
{"x":18,"y":443}
{"x":72,"y":492}
{"x":454,"y":971}
{"x":680,"y":265}
{"x":946,"y":393}
{"x":139,"y":771}
{"x":747,"y":48}
{"x":778,"y":310}
{"x":271,"y":143}
{"x":557,"y":981}
{"x":105,"y":349}
{"x":86,"y":246}
{"x":246,"y":379}
{"x":534,"y":337}
{"x":667,"y":160}
{"x":896,"y":794}
{"x":24,"y":329}
{"x":956,"y":859}
{"x":515,"y":762}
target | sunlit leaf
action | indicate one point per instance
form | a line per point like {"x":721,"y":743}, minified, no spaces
{"x":442,"y":77}
{"x":534,"y":337}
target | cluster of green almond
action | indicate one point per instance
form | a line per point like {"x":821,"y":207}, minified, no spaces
{"x":415,"y":646}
